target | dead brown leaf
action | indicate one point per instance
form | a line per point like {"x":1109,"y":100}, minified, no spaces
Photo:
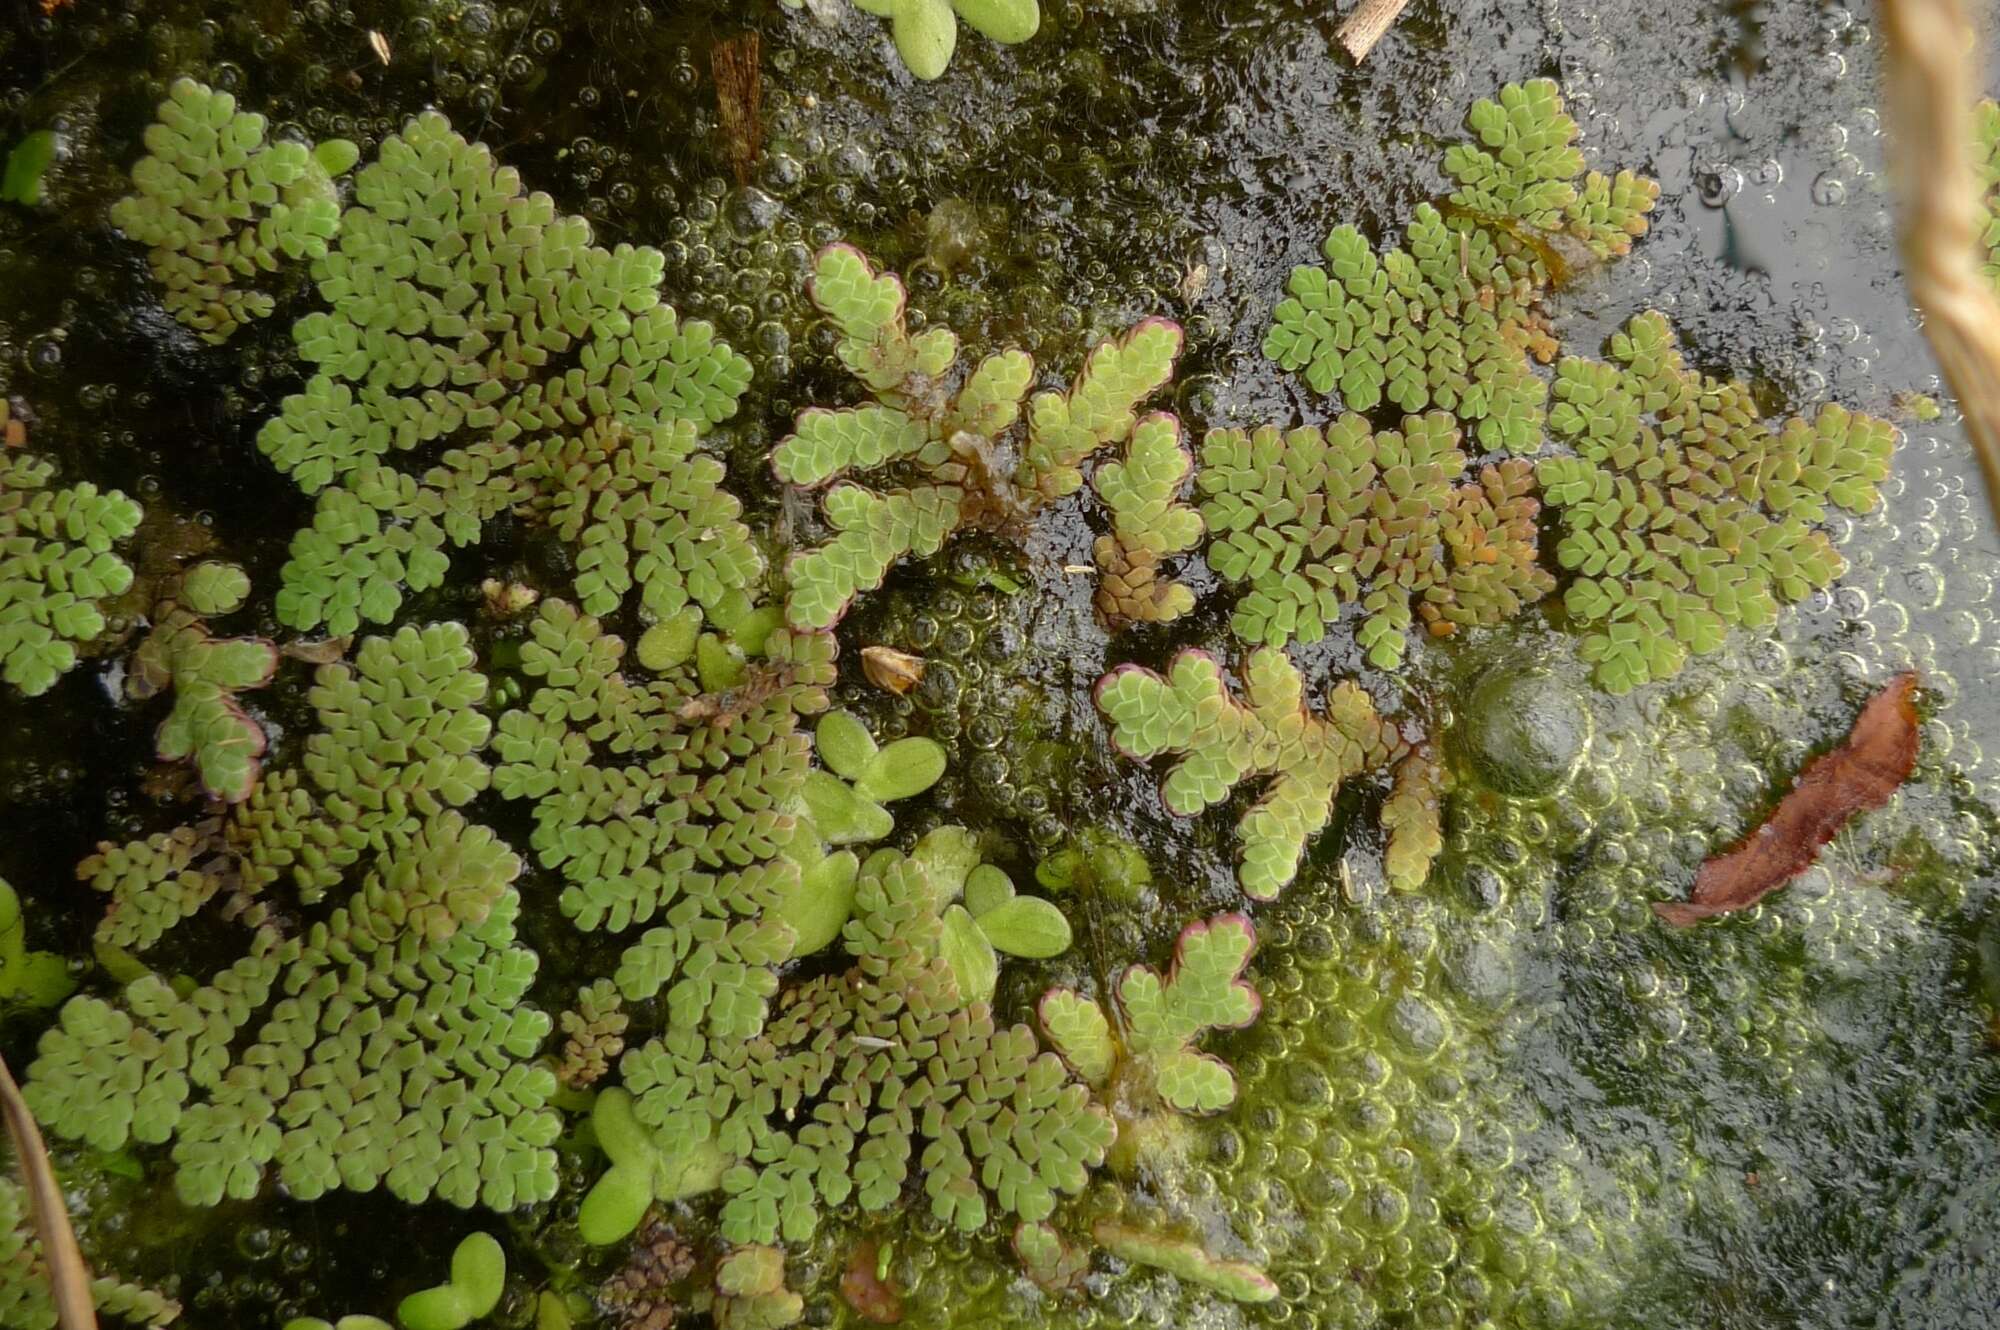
{"x":317,"y":651}
{"x":891,"y":670}
{"x":1880,"y":753}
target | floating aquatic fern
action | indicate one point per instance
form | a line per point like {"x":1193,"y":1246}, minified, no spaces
{"x":218,"y":207}
{"x":386,"y":1044}
{"x":1314,"y":521}
{"x":1449,"y":319}
{"x":671,"y":801}
{"x":866,"y":1082}
{"x":954,"y":448}
{"x":1149,"y":523}
{"x":646,"y":507}
{"x":27,"y":1299}
{"x":926,"y":31}
{"x":750,"y":1292}
{"x":1413,"y":819}
{"x":1148,"y":1059}
{"x":1682,"y":513}
{"x":57,"y":568}
{"x":464,"y":311}
{"x":207,"y":726}
{"x":1986,"y":146}
{"x":1222,"y":742}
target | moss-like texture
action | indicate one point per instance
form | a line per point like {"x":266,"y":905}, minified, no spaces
{"x":1683,"y":514}
{"x":57,"y":568}
{"x":667,"y":802}
{"x":872,"y":1080}
{"x":219,"y":208}
{"x":1315,"y":521}
{"x":469,"y":322}
{"x":1450,"y":318}
{"x":387,"y":1044}
{"x":1465,"y":1104}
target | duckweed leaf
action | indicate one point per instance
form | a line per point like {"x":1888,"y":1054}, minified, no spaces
{"x":478,"y":1276}
{"x":845,"y":745}
{"x":987,"y":888}
{"x":969,"y":954}
{"x":1027,"y":926}
{"x":902,"y":769}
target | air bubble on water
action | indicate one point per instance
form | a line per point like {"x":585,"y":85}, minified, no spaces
{"x":1717,"y":183}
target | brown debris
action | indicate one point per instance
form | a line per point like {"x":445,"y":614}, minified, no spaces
{"x":873,"y":1298}
{"x":891,"y":670}
{"x":69,"y":1277}
{"x":1368,"y":24}
{"x":317,"y":650}
{"x":636,"y":1297}
{"x":1931,"y":85}
{"x":1134,"y":590}
{"x":739,"y":98}
{"x":1880,"y":753}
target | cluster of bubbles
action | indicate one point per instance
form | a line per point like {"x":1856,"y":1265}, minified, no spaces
{"x":990,"y":690}
{"x":1383,"y":1158}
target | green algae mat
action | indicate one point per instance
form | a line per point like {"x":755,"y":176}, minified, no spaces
{"x":976,"y":663}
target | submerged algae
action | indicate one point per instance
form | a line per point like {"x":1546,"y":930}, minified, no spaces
{"x":1202,"y":84}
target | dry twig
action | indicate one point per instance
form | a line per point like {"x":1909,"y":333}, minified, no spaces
{"x":739,"y":100}
{"x":69,"y":1277}
{"x":1368,"y":23}
{"x":1931,"y":95}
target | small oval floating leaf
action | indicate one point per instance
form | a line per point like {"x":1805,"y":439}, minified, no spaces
{"x":970,"y":955}
{"x":986,"y":889}
{"x":1027,"y":926}
{"x":904,"y":768}
{"x":845,"y":744}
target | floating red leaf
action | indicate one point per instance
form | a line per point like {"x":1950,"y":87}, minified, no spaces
{"x":866,"y":1291}
{"x":1880,"y":752}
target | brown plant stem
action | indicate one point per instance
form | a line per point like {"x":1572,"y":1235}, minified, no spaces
{"x":1931,"y":92}
{"x":739,"y":100}
{"x":1369,"y":22}
{"x":69,"y":1277}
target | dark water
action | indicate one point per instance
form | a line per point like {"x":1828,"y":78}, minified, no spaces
{"x":1788,"y":1123}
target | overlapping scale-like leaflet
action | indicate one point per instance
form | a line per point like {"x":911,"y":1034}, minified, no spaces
{"x":953,"y":451}
{"x":1220,"y":742}
{"x":870,"y":1080}
{"x":470,"y":321}
{"x":1683,"y":513}
{"x":219,"y":208}
{"x":382,"y":1042}
{"x":671,"y":801}
{"x":1449,"y":319}
{"x":1315,"y":521}
{"x":56,"y":568}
